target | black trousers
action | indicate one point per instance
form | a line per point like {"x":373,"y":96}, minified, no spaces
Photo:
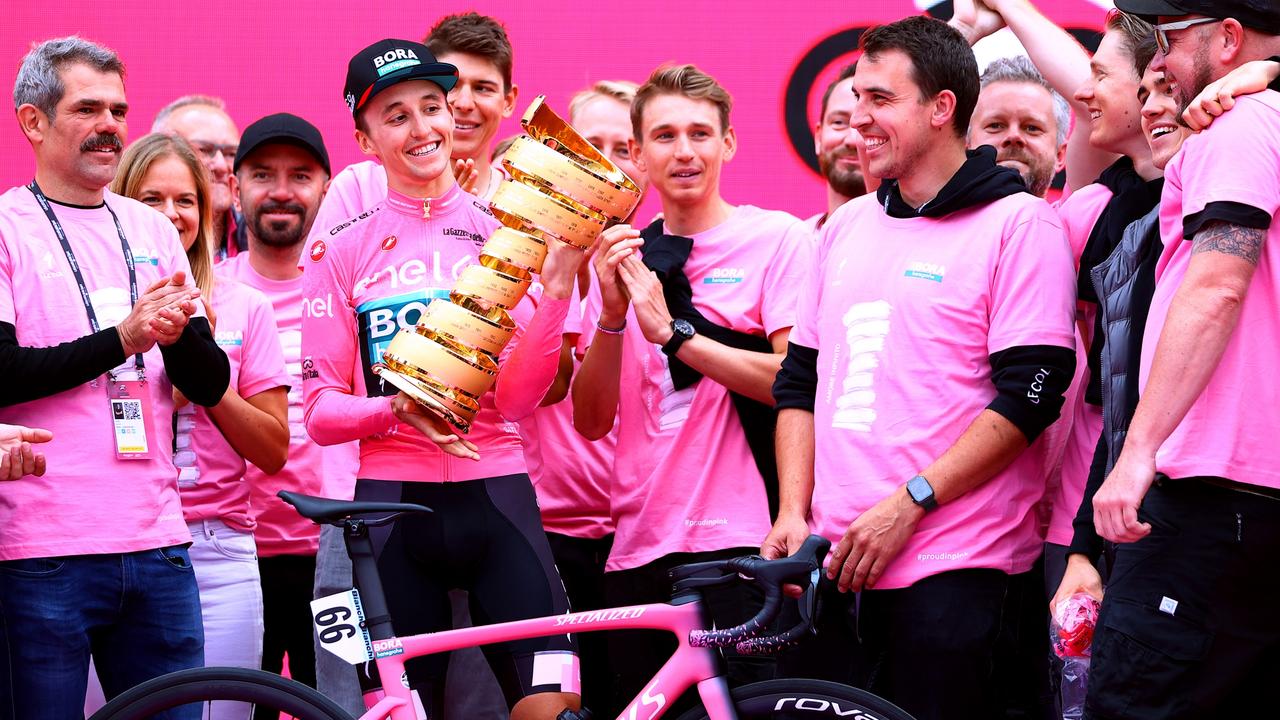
{"x":581,"y":565}
{"x":637,"y":655}
{"x":286,"y":615}
{"x":932,"y":648}
{"x":1189,"y":626}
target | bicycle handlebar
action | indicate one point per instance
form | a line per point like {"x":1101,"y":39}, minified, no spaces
{"x":769,"y":576}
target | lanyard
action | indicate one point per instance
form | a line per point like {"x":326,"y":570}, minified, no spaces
{"x":75,"y":266}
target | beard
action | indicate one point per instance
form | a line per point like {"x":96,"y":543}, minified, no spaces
{"x":1039,"y":171}
{"x":1188,"y":92}
{"x":848,"y":182}
{"x":277,"y":233}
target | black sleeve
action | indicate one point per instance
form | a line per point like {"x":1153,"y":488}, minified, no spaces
{"x":1233,"y":213}
{"x":196,"y":365}
{"x":33,"y":373}
{"x":1085,"y":539}
{"x":796,"y":385}
{"x":1275,"y":84}
{"x":1030,"y":381}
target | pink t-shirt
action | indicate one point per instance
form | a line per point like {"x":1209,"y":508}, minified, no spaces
{"x":1229,"y":431}
{"x":246,"y":331}
{"x":88,"y":502}
{"x":685,"y":480}
{"x":570,"y":473}
{"x":312,"y":469}
{"x":904,"y":346}
{"x":371,"y":276}
{"x":1072,"y":439}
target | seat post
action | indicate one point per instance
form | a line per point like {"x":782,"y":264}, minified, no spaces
{"x":364,"y":571}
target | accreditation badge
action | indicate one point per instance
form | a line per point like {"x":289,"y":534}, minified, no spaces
{"x":131,"y":418}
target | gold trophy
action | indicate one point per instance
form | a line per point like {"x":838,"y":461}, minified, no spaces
{"x":562,"y":189}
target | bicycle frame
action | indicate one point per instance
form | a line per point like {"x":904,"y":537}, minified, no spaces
{"x":687,"y":667}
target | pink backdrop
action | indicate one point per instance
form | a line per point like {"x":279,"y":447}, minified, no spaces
{"x":269,"y":56}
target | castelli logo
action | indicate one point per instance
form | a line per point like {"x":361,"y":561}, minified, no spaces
{"x":388,"y":242}
{"x":317,"y":251}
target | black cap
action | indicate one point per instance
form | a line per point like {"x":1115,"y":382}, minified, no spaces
{"x":1260,"y":15}
{"x":282,"y":128}
{"x":388,"y":62}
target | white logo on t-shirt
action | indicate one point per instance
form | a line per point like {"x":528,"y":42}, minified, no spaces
{"x":49,"y":268}
{"x":673,"y":407}
{"x":866,"y":327}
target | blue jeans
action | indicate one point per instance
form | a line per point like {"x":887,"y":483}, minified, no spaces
{"x":138,"y":613}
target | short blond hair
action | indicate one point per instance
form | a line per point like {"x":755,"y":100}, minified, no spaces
{"x":686,"y":80}
{"x":624,"y":91}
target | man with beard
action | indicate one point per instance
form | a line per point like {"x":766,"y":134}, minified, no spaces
{"x":93,"y":555}
{"x":281,"y":173}
{"x":1188,"y":625}
{"x":204,"y":123}
{"x":839,"y":147}
{"x":1024,"y":119}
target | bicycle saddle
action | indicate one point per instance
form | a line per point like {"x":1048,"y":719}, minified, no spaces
{"x":334,"y":512}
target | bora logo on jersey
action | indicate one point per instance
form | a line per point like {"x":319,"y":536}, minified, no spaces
{"x":378,"y":321}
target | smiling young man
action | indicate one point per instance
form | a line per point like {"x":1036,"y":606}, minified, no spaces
{"x":1187,"y":627}
{"x":920,"y":371}
{"x":695,"y":334}
{"x":374,"y":275}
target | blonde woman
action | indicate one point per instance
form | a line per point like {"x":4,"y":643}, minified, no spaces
{"x":248,"y":425}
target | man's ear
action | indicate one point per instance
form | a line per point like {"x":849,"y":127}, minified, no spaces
{"x":633,"y":149}
{"x":730,"y":144}
{"x":817,"y":142}
{"x":366,"y":145}
{"x":33,"y":121}
{"x":509,"y":101}
{"x":942,"y":109}
{"x":1231,"y":42}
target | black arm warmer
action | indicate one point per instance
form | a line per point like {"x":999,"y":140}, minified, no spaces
{"x":1030,"y":381}
{"x":797,"y":383}
{"x":1085,"y":539}
{"x":196,"y":365}
{"x":32,"y":373}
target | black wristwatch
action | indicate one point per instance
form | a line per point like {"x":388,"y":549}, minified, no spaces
{"x":681,"y":330}
{"x":921,"y":492}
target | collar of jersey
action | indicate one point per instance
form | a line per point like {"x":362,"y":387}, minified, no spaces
{"x":412,"y":206}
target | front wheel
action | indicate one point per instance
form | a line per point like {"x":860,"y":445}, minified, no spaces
{"x":199,"y":691}
{"x":806,"y":700}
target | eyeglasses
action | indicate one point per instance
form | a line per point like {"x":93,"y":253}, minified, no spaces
{"x":208,"y":151}
{"x":1162,"y":31}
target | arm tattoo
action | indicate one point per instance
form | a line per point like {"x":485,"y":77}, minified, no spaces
{"x":1228,"y":239}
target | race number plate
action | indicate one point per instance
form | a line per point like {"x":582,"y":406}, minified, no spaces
{"x":339,"y":621}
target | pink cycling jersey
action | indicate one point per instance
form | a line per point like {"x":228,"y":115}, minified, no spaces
{"x":371,"y":276}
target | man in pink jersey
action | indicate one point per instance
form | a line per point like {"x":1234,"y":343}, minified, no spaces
{"x":98,"y":326}
{"x":839,"y":147}
{"x":696,"y":349}
{"x":368,"y":279}
{"x":921,"y":370}
{"x":1187,"y":626}
{"x":280,"y":175}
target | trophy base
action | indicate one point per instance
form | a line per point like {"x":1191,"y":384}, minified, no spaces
{"x":424,"y":396}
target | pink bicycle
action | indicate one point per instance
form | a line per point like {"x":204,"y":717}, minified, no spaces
{"x":362,"y":626}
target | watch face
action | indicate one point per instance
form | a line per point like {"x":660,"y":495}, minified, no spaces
{"x":684,"y":328}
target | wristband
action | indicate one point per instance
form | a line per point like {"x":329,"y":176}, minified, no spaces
{"x":612,"y":331}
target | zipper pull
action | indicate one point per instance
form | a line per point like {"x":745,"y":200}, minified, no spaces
{"x":426,"y":208}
